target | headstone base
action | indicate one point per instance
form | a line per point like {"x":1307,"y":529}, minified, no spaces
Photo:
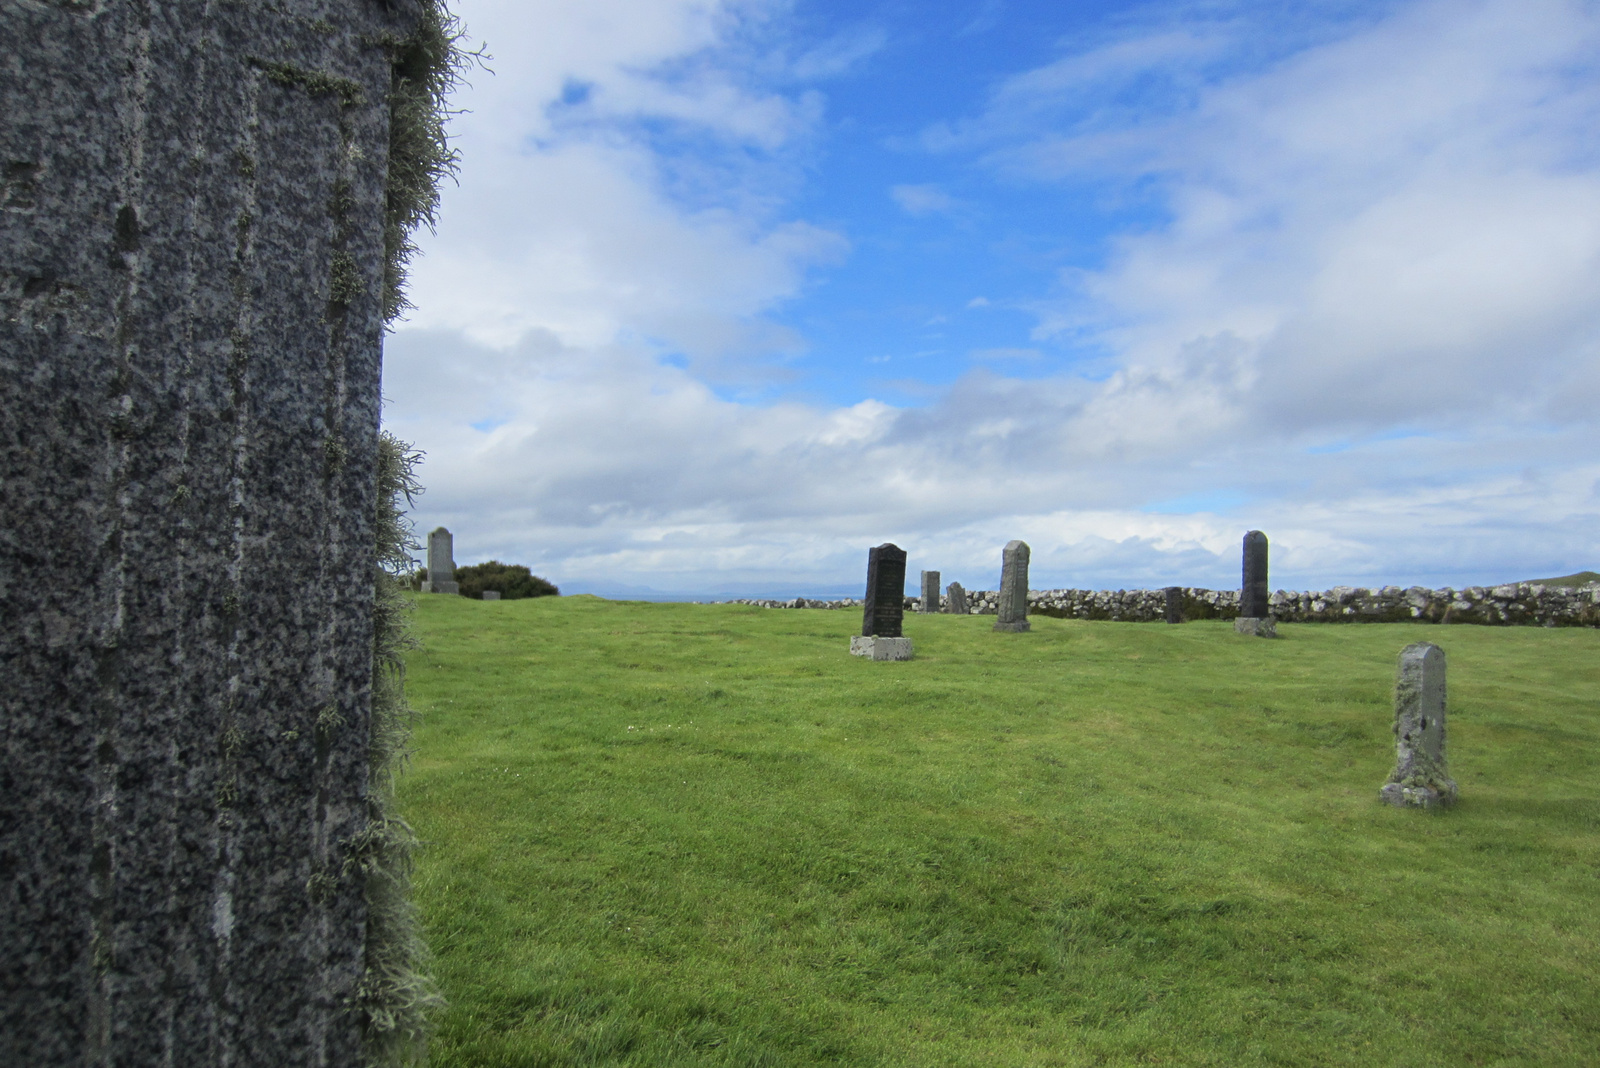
{"x":1417,"y":796}
{"x":491,"y":595}
{"x":874,"y":648}
{"x":430,"y":586}
{"x":1014,"y":628}
{"x":1256,"y":627}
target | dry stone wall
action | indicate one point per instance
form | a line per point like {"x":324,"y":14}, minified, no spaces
{"x":1526,"y":604}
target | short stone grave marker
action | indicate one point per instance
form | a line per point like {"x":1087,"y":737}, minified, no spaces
{"x":1421,"y":777}
{"x":955,"y":600}
{"x":1012,"y":614}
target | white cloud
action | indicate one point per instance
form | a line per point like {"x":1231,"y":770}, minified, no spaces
{"x":922,"y":199}
{"x":568,"y":221}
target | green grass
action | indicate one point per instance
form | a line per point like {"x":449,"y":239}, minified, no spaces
{"x":1580,"y":578}
{"x":706,"y":835}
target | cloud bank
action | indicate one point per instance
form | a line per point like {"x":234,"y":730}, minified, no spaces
{"x":1363,"y":319}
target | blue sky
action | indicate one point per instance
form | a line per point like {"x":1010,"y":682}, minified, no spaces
{"x":730,"y":291}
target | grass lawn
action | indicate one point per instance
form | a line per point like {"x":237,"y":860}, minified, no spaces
{"x":706,"y":835}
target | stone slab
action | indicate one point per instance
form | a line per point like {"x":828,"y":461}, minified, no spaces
{"x":877,"y":648}
{"x":192,"y":261}
{"x":1421,"y":775}
{"x":1256,"y":627}
{"x":1254,"y":591}
{"x":883,"y":608}
{"x":491,"y":595}
{"x":1012,"y":612}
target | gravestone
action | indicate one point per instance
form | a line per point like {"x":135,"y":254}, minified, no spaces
{"x":883,"y":608}
{"x":1421,"y":777}
{"x":1012,"y":614}
{"x":1254,"y":617}
{"x":1174,"y":595}
{"x":956,"y":600}
{"x":195,"y":259}
{"x":441,"y":562}
{"x":491,"y":595}
{"x":930,"y":592}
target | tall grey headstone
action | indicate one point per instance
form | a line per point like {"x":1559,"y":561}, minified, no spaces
{"x":883,"y":608}
{"x":956,"y":600}
{"x":1174,"y":604}
{"x":441,"y":563}
{"x":1421,"y":776}
{"x":1012,"y":614}
{"x":192,"y":286}
{"x":929,"y":601}
{"x":1254,"y":614}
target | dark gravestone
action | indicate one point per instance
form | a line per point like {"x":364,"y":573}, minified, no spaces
{"x":1012,"y":614}
{"x":441,"y":563}
{"x":192,"y":289}
{"x":956,"y":600}
{"x":1174,"y":595}
{"x":1421,"y":777}
{"x":1253,"y":593}
{"x":884,"y":608}
{"x":930,"y":592}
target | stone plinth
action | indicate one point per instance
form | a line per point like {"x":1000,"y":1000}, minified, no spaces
{"x":877,"y":648}
{"x":929,"y":602}
{"x":1421,"y":777}
{"x":1013,"y":610}
{"x":491,"y":595}
{"x":1256,"y":628}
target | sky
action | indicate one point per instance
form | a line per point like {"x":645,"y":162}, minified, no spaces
{"x":728,"y":291}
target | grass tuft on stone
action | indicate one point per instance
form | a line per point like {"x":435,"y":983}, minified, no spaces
{"x":397,"y":995}
{"x":674,"y":835}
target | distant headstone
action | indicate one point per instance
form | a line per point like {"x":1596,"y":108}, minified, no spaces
{"x":883,"y":608}
{"x":1421,"y":777}
{"x":1013,"y":610}
{"x":930,"y":592}
{"x":491,"y":595}
{"x":1253,"y":593}
{"x":441,"y":564}
{"x":955,"y":600}
{"x":1174,"y":604}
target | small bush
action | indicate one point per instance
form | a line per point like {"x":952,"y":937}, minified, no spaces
{"x":510,"y":580}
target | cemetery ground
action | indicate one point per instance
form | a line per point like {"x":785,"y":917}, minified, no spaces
{"x":660,"y":834}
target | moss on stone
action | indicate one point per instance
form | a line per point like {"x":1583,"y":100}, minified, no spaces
{"x":427,"y":65}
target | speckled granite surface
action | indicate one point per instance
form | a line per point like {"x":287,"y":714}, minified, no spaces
{"x":191,"y":211}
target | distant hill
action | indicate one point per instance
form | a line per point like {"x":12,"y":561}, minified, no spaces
{"x":1582,"y":578}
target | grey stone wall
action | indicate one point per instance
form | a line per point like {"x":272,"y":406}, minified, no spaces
{"x":191,"y":283}
{"x":1521,"y":603}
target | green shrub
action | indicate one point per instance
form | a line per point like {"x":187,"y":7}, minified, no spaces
{"x":512,"y":581}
